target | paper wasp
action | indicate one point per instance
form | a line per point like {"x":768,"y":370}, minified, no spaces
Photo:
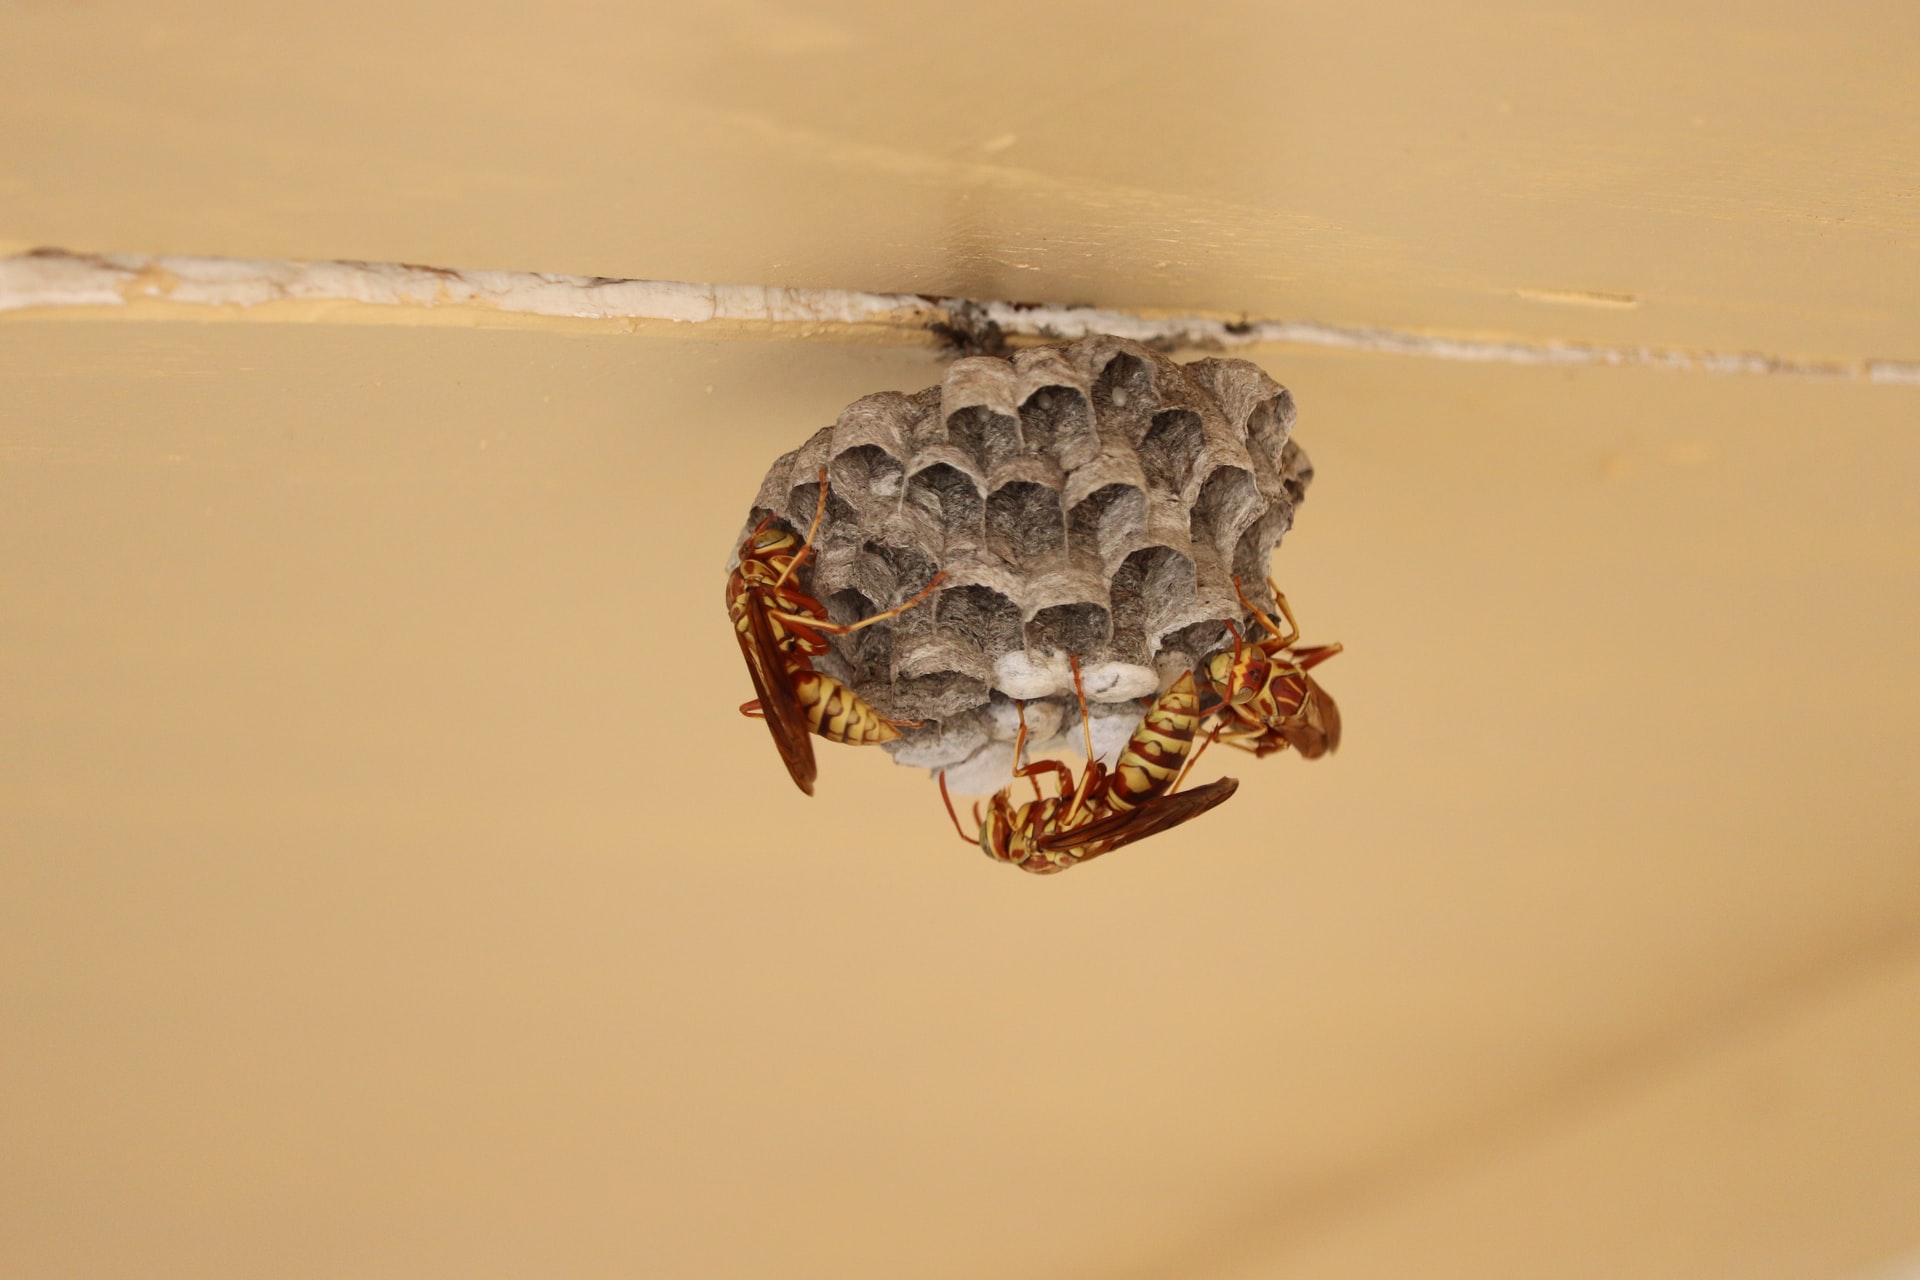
{"x":781,"y":630}
{"x":1265,"y":698}
{"x":1101,"y":811}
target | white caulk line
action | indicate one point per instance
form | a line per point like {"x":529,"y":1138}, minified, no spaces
{"x":51,"y":279}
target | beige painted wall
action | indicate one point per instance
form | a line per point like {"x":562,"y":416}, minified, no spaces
{"x":387,"y":886}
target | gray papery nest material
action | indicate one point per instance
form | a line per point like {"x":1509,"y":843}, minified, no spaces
{"x":1094,"y":499}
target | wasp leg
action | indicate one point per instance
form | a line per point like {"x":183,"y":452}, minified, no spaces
{"x":1195,"y":757}
{"x":1032,"y":770}
{"x":1091,"y":778}
{"x":1063,"y":776}
{"x":1283,"y":639}
{"x":1280,"y":598}
{"x":806,"y":548}
{"x":845,"y":628}
{"x":948,"y":801}
{"x":1262,"y":742}
{"x":1080,"y":692}
{"x":1312,"y":656}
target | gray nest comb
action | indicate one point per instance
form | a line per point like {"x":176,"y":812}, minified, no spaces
{"x":1094,"y":499}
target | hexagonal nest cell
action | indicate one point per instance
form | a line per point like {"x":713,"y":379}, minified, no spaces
{"x":1094,"y":499}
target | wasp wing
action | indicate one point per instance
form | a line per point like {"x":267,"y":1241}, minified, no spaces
{"x":785,"y":720}
{"x":1316,"y":730}
{"x":1158,"y":814}
{"x":1329,"y":715}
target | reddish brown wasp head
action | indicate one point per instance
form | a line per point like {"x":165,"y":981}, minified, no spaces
{"x":1251,"y":671}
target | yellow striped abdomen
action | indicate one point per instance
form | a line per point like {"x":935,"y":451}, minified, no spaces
{"x":1158,"y":748}
{"x":837,"y":713}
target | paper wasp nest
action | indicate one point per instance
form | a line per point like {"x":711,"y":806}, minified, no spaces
{"x":1094,"y":499}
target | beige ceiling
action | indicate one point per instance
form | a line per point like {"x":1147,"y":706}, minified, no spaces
{"x":1720,"y":173}
{"x":389,"y":888}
